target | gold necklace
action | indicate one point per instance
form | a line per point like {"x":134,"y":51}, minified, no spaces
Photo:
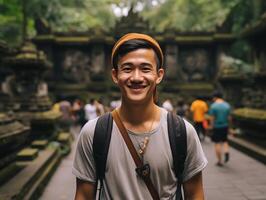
{"x":143,"y":147}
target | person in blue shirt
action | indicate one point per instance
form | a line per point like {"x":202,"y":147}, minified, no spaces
{"x":219,"y":122}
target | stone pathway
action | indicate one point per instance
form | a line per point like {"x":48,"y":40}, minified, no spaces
{"x":62,"y":185}
{"x":243,"y":178}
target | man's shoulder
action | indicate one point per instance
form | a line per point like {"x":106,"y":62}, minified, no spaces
{"x":189,"y":127}
{"x":214,"y":104}
{"x":87,"y":130}
{"x":227,"y":104}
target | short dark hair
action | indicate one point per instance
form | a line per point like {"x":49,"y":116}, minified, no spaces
{"x":92,"y":100}
{"x":132,"y":45}
{"x":217,"y":94}
{"x":200,"y":97}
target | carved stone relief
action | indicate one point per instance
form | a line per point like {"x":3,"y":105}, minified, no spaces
{"x":97,"y":61}
{"x":76,"y":66}
{"x":194,"y":64}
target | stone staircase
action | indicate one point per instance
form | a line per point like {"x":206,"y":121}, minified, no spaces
{"x":28,"y":175}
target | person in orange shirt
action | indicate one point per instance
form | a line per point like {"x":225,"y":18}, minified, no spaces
{"x":199,"y":107}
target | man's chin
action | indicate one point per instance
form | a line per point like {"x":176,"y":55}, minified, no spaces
{"x":137,"y":100}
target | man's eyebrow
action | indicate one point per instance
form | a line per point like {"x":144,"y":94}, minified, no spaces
{"x":130,"y":64}
{"x":126,"y":64}
{"x":145,"y":64}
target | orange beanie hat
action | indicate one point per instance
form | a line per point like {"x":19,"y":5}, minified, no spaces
{"x":136,"y":36}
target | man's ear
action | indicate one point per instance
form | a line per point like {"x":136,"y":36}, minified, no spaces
{"x":160,"y":75}
{"x":114,"y":76}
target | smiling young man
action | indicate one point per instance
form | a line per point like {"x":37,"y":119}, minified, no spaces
{"x":137,"y":61}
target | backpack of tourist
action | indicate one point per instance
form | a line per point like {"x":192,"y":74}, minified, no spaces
{"x":177,"y":138}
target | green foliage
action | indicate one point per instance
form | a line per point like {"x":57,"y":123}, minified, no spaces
{"x":189,"y":15}
{"x":62,"y":15}
{"x":81,"y":15}
{"x":85,"y":15}
{"x":240,"y":49}
{"x":246,"y":12}
{"x":241,"y":15}
{"x":10,"y":21}
{"x":11,"y":17}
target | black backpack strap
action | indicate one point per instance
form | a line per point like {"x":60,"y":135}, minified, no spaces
{"x":101,"y":142}
{"x":178,"y":142}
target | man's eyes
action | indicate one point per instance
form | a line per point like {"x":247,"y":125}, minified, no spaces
{"x":146,"y":69}
{"x":126,"y":69}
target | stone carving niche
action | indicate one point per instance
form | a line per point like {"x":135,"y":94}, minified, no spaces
{"x":194,"y":64}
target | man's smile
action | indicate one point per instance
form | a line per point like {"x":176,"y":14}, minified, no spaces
{"x":136,"y":86}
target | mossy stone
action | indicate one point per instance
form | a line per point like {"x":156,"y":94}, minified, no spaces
{"x":27,"y":154}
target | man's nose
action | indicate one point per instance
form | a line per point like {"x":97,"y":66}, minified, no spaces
{"x":136,"y":75}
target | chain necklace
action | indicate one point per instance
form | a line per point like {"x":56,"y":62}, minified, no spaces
{"x":143,"y":145}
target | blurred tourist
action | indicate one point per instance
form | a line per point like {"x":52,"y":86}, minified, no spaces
{"x":198,"y":108}
{"x":66,"y":110}
{"x":167,"y":104}
{"x":99,"y":107}
{"x":115,"y":103}
{"x":75,"y":109}
{"x":79,"y":112}
{"x":219,"y":122}
{"x":90,"y":110}
{"x":182,"y":109}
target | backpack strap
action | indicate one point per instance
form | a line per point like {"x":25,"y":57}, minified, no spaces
{"x":178,"y":142}
{"x":101,"y":142}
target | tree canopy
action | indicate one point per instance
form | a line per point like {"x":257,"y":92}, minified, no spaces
{"x":82,"y":15}
{"x":203,"y":15}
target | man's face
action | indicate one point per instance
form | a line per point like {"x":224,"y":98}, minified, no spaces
{"x":137,"y":76}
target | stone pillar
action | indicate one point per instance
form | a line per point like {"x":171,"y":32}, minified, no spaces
{"x":171,"y":64}
{"x":13,"y":134}
{"x":32,"y":103}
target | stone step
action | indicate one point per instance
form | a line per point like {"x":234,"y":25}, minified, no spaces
{"x":39,"y":185}
{"x":248,"y":148}
{"x":39,"y":144}
{"x":64,"y":138}
{"x":27,"y":154}
{"x":9,"y":171}
{"x":30,"y":180}
{"x":7,"y":159}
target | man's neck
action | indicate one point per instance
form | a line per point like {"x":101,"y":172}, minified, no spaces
{"x":219,"y":100}
{"x":138,"y":113}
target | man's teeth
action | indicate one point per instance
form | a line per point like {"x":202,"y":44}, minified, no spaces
{"x":136,"y":86}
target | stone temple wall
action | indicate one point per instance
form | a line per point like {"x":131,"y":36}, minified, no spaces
{"x":81,"y":64}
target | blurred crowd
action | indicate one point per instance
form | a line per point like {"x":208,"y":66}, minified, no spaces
{"x":78,"y":112}
{"x":203,"y":113}
{"x":210,"y":117}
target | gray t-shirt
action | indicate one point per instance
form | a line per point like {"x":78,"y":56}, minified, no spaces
{"x":121,"y":180}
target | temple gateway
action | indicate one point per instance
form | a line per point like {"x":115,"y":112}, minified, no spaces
{"x":81,"y":61}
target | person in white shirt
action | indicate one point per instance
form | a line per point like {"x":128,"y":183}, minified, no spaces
{"x":168,"y":105}
{"x":90,"y":110}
